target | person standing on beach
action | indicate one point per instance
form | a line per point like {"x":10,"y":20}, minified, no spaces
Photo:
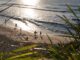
{"x":5,"y":21}
{"x":27,"y":38}
{"x":40,"y":34}
{"x":15,"y":27}
{"x":20,"y":31}
{"x":35,"y":34}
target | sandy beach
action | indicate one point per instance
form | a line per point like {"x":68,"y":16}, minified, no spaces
{"x":12,"y":39}
{"x":24,"y":36}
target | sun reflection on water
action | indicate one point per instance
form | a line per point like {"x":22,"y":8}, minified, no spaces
{"x":30,"y":13}
{"x":27,"y":13}
{"x":30,"y":2}
{"x":27,"y":27}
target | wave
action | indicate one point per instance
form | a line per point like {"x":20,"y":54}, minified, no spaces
{"x":51,"y":9}
{"x":51,"y":26}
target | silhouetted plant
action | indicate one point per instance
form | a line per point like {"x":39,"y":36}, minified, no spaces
{"x":69,"y":51}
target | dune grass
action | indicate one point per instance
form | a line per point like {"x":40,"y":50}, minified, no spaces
{"x":71,"y":50}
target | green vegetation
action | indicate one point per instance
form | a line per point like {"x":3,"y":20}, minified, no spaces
{"x":61,"y":51}
{"x":69,"y":51}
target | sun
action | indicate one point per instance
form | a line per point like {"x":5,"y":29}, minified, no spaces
{"x":30,"y":2}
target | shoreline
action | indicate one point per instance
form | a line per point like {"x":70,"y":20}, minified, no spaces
{"x":11,"y":39}
{"x":21,"y":36}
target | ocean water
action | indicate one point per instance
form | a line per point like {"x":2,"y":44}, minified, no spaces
{"x":39,"y":15}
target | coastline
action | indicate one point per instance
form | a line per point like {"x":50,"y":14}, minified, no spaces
{"x":21,"y":36}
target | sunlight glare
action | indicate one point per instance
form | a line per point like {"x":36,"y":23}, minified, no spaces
{"x":30,"y":2}
{"x":28,"y":13}
{"x":22,"y":25}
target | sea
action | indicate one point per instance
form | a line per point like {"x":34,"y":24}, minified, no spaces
{"x":37,"y":15}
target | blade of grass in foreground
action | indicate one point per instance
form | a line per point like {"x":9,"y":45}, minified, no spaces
{"x":75,"y":28}
{"x":27,"y":58}
{"x":22,"y":55}
{"x":79,"y":8}
{"x":24,"y":48}
{"x":71,"y":10}
{"x":50,"y":40}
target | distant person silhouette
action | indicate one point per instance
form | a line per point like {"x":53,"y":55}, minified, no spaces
{"x":41,"y":35}
{"x":35,"y":34}
{"x":27,"y":38}
{"x":5,"y":21}
{"x":15,"y":27}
